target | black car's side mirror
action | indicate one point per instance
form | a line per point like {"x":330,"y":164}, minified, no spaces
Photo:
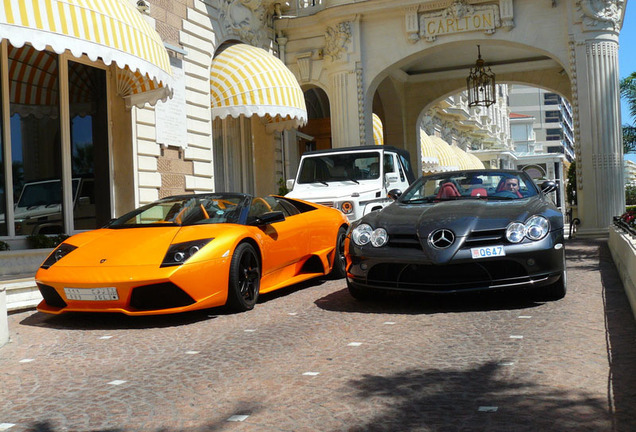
{"x":269,"y":218}
{"x":548,"y":186}
{"x":394,"y":194}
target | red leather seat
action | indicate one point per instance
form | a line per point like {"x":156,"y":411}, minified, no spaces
{"x":447,"y":190}
{"x":479,"y":192}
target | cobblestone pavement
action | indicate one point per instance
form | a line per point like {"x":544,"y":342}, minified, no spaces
{"x":313,"y":359}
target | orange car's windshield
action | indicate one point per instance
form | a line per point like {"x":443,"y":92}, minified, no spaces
{"x":185,"y":210}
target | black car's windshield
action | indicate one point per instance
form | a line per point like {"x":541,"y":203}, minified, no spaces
{"x":340,"y":167}
{"x":486,"y":185}
{"x":186,"y":210}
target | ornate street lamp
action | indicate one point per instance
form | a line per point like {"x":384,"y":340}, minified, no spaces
{"x":481,"y":84}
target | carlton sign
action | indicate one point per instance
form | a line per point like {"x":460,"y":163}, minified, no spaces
{"x":437,"y":26}
{"x":459,"y":17}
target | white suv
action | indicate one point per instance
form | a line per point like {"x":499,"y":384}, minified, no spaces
{"x":355,"y":180}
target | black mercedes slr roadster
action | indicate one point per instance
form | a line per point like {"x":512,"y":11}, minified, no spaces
{"x":461,"y":231}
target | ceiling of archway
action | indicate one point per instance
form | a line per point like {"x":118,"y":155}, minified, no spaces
{"x":456,"y":62}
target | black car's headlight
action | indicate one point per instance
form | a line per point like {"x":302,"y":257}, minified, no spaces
{"x":179,"y":253}
{"x":60,"y":252}
{"x":535,"y":228}
{"x":364,"y":234}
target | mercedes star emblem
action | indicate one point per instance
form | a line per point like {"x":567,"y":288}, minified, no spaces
{"x":441,"y":238}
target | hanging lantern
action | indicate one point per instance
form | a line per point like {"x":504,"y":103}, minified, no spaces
{"x":481,"y":84}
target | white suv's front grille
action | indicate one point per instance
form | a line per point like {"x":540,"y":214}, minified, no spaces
{"x":326,"y":203}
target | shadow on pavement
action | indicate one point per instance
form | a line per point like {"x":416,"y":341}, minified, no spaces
{"x":115,"y":321}
{"x":620,"y":330}
{"x":415,"y":303}
{"x":118,"y":321}
{"x":478,"y":399}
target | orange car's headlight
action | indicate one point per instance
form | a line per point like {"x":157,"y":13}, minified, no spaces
{"x":179,"y":253}
{"x":60,"y":252}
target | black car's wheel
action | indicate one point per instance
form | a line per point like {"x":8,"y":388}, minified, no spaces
{"x":339,"y":270}
{"x":245,"y":278}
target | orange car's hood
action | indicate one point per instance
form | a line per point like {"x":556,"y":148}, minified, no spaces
{"x":120,"y":247}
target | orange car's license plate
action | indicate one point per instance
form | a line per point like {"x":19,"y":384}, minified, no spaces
{"x":92,"y":294}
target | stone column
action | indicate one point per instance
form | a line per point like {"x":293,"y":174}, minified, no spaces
{"x":601,"y":192}
{"x":344,"y":109}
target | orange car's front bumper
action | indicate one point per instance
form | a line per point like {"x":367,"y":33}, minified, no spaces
{"x":141,"y":290}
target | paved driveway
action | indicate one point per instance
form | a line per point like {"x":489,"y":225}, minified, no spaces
{"x":313,"y":359}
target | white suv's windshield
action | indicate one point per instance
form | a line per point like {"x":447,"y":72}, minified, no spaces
{"x":340,"y":167}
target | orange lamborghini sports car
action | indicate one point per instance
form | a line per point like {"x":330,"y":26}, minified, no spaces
{"x":193,"y":252}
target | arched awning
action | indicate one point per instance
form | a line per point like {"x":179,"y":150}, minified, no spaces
{"x":110,"y":31}
{"x":446,"y":155}
{"x":477,"y":163}
{"x":246,"y":80}
{"x":430,"y":161}
{"x":378,"y":130}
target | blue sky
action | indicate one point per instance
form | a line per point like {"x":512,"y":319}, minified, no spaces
{"x":627,"y":56}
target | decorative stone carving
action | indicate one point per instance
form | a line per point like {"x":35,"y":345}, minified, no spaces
{"x":601,"y":14}
{"x":303,"y":60}
{"x":460,"y":16}
{"x":244,"y":19}
{"x":337,"y":40}
{"x":360,"y":90}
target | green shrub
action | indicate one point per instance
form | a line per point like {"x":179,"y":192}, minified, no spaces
{"x":42,"y":241}
{"x":630,"y":195}
{"x":4,"y":246}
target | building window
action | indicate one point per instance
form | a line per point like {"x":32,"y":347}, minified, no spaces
{"x":552,"y":116}
{"x":551,"y":99}
{"x":46,"y":195}
{"x":233,"y":155}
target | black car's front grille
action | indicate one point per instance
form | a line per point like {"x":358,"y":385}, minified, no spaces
{"x":485,"y":237}
{"x":410,"y":241}
{"x":159,"y":296}
{"x":51,"y":297}
{"x":449,"y":277}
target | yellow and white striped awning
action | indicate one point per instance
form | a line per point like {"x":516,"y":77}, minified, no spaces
{"x":106,"y":30}
{"x":448,"y":158}
{"x":246,"y":80}
{"x":477,"y":163}
{"x":430,"y":161}
{"x":378,"y":130}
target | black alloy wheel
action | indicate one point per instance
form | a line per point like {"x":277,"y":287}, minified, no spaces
{"x":245,"y":278}
{"x":339,"y":269}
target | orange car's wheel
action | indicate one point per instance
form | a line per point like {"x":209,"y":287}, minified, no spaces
{"x":338,"y":270}
{"x":245,"y":278}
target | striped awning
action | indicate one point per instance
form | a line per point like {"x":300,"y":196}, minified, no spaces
{"x":446,"y":155}
{"x":378,"y":130}
{"x":430,"y":161}
{"x":109,"y":31}
{"x":477,"y":163}
{"x":246,"y":80}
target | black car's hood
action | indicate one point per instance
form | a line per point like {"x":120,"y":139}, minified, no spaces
{"x":459,"y":216}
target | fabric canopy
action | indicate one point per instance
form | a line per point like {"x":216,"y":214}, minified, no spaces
{"x":111,"y":31}
{"x":439,"y":156}
{"x":430,"y":161}
{"x":378,"y":130}
{"x":246,"y":80}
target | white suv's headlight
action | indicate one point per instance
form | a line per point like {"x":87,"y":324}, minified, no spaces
{"x":537,"y":227}
{"x":361,"y":234}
